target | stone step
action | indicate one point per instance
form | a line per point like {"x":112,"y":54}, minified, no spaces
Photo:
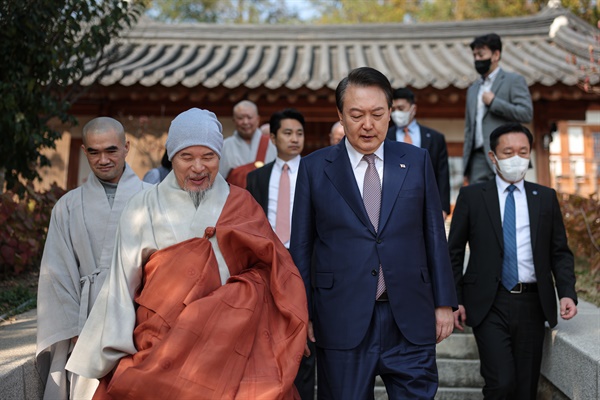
{"x":454,"y":374}
{"x":459,"y":373}
{"x":442,"y":394}
{"x":458,"y":346}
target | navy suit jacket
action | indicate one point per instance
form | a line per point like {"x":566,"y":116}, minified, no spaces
{"x":257,"y":183}
{"x":333,"y":238}
{"x":435,"y":143}
{"x":477,"y":220}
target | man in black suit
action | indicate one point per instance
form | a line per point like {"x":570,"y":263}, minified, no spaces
{"x":406,"y":129}
{"x":518,"y":255}
{"x":266,"y":184}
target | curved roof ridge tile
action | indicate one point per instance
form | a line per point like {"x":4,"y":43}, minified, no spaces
{"x":292,"y":56}
{"x":421,"y":73}
{"x":302,"y":73}
{"x":231,"y":63}
{"x":285,"y":70}
{"x":174,"y":55}
{"x":267,"y":68}
{"x":201,"y":56}
{"x":220,"y":54}
{"x":248,"y":66}
{"x":320,"y":68}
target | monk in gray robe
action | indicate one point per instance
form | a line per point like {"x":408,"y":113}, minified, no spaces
{"x":77,"y":255}
{"x":202,"y":300}
{"x":248,"y":148}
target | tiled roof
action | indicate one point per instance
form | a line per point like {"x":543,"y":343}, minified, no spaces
{"x":317,"y":56}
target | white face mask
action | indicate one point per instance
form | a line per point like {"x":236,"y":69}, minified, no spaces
{"x":402,"y":118}
{"x":512,"y":169}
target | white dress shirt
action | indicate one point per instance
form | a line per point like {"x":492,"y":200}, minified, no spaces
{"x":413,"y":130}
{"x":524,"y":249}
{"x":293,"y":166}
{"x":359,"y":166}
{"x":486,"y":86}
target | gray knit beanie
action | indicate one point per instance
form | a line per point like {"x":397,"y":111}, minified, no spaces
{"x":194,"y":127}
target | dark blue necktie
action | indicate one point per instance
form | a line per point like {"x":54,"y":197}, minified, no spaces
{"x":510,"y":272}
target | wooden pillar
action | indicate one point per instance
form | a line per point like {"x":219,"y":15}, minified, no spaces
{"x":541,"y":128}
{"x":73,"y":169}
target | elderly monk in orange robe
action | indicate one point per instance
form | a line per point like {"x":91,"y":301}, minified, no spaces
{"x":203,"y":301}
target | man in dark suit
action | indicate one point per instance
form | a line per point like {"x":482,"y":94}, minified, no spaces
{"x":518,"y":255}
{"x":495,"y":99}
{"x":270,"y":186}
{"x":406,"y":129}
{"x":367,"y":226}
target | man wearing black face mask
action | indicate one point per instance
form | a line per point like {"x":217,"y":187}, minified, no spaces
{"x":495,"y":99}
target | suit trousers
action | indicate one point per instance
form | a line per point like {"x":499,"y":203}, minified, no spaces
{"x":478,"y":169}
{"x":510,"y":341}
{"x":408,"y":371}
{"x":305,"y":379}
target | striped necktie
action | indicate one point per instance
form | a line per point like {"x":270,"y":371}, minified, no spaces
{"x":372,"y":200}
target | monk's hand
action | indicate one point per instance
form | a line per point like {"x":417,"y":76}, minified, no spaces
{"x":568,"y":309}
{"x":310,"y":333}
{"x":444,"y":322}
{"x":460,"y":316}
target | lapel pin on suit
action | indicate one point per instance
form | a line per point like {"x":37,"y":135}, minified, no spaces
{"x":534,"y":192}
{"x":402,"y":166}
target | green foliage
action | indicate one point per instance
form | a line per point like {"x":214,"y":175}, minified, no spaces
{"x":358,"y":11}
{"x":223,"y":11}
{"x":24,"y":225}
{"x":361,"y":11}
{"x":582,"y":222}
{"x":48,"y":47}
{"x":17,"y":297}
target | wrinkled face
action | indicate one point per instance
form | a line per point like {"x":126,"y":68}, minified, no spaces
{"x":195,"y":168}
{"x":336,"y":135}
{"x":106,"y":154}
{"x":246,"y":120}
{"x":365,"y":117}
{"x":289,"y":139}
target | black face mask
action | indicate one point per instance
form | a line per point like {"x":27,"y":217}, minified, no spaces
{"x":483,"y":66}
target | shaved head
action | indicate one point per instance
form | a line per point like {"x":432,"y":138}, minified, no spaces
{"x":103,"y":125}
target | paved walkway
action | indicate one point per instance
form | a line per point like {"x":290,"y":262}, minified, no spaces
{"x":18,"y":377}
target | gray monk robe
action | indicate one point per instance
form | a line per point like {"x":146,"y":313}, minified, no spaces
{"x":76,"y":260}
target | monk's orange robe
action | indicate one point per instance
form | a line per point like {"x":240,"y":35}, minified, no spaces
{"x":197,"y":339}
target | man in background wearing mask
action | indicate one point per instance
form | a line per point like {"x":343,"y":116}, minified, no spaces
{"x":406,"y":129}
{"x":495,"y":99}
{"x":519,"y":254}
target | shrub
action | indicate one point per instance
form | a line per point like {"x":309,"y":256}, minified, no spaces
{"x":582,"y":221}
{"x":24,"y":220}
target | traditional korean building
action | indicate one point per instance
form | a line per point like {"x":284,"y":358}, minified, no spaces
{"x":164,"y":69}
